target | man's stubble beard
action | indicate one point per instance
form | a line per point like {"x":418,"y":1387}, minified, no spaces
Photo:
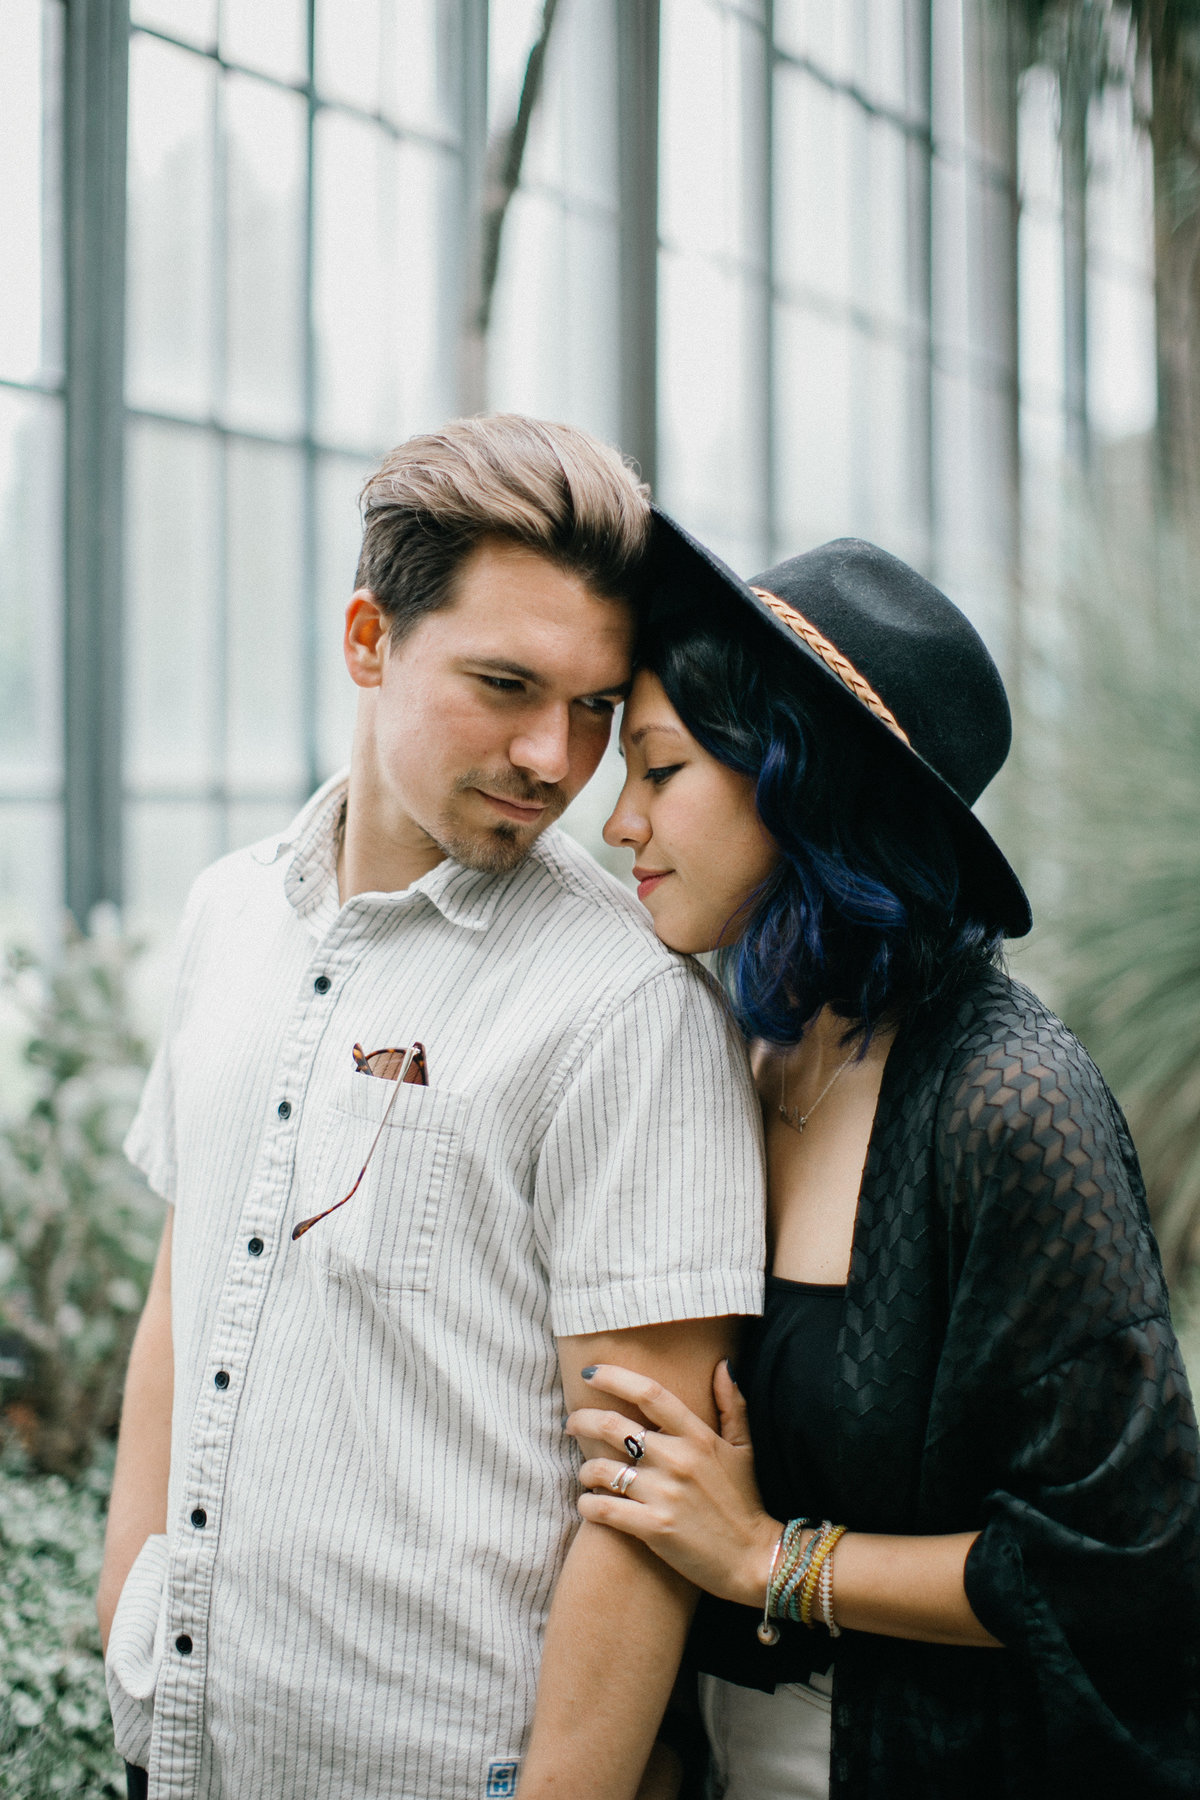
{"x":500,"y":848}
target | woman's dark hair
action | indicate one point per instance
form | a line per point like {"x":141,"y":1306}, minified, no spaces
{"x":864,"y":911}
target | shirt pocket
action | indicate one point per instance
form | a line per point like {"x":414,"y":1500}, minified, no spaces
{"x":385,"y":1234}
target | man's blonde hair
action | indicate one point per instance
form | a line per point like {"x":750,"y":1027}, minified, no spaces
{"x":553,"y":488}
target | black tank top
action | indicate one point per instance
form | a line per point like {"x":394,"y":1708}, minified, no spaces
{"x":786,"y":1369}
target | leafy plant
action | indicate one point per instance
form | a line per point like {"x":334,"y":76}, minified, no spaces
{"x":55,"y":1728}
{"x":1120,"y":830}
{"x":77,"y":1225}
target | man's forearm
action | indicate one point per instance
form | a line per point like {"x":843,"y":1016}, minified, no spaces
{"x":138,"y":1506}
{"x":613,"y":1643}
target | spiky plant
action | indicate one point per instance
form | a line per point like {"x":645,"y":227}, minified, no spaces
{"x":1121,"y":835}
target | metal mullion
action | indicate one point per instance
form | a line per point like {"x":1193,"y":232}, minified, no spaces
{"x":94,"y":157}
{"x":53,"y":392}
{"x":770,"y":344}
{"x":638,"y":75}
{"x":219,"y":729}
{"x":308,"y":569}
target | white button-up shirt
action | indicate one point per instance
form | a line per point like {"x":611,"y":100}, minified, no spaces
{"x":371,"y":1494}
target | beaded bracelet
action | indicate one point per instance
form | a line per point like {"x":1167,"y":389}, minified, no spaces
{"x":830,"y":1534}
{"x":825,"y":1597}
{"x":787,"y":1552}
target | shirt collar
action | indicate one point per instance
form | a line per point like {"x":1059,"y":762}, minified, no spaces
{"x":466,"y":897}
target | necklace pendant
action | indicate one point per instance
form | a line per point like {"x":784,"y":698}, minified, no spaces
{"x":791,"y":1115}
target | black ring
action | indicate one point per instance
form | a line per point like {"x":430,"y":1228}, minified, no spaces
{"x":636,"y":1446}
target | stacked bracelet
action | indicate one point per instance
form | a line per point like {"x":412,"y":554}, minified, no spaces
{"x":821,"y":1552}
{"x":801,"y":1577}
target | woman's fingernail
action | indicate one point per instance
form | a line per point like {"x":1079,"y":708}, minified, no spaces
{"x":732,"y":1376}
{"x":589,"y":1371}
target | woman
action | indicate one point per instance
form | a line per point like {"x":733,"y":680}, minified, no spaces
{"x":965,"y":1376}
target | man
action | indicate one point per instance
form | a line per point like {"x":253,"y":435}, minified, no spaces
{"x":343,"y":1498}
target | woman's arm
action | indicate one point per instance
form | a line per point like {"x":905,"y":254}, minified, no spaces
{"x":695,"y":1503}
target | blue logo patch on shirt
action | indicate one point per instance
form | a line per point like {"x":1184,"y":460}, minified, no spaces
{"x":502,"y":1780}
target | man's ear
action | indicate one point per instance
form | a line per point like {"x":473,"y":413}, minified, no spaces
{"x":365,"y":642}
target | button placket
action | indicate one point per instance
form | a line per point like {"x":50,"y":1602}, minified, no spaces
{"x":243,"y":1297}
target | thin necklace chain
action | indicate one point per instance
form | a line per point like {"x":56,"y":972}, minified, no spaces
{"x":791,"y":1115}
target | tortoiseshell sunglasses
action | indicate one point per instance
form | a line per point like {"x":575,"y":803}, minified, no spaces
{"x":392,"y":1065}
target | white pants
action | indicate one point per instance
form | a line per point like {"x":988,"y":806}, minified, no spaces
{"x":768,"y":1746}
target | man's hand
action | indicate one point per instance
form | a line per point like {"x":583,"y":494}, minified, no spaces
{"x":620,"y":1616}
{"x":138,"y":1506}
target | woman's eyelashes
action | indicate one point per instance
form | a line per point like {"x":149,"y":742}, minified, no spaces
{"x":661,"y":775}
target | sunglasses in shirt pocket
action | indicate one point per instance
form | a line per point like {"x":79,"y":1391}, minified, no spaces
{"x":385,"y":1233}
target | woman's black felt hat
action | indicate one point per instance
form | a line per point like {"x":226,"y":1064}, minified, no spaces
{"x":884,"y":644}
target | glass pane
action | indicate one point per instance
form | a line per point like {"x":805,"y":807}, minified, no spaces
{"x":265,"y":134}
{"x":31,"y":873}
{"x":420,"y":64}
{"x":265,"y":626}
{"x":268,"y":35}
{"x":512,"y":30}
{"x":882,"y":212}
{"x":349,"y":51}
{"x":29,"y":196}
{"x":712,"y":178}
{"x":421,"y":322}
{"x":169,"y":326}
{"x":30,"y":592}
{"x":822,"y":32}
{"x":193,"y":20}
{"x":814,"y":445}
{"x":711,"y":455}
{"x":554,"y":349}
{"x":339,"y":535}
{"x":355,"y":280}
{"x":248,"y":821}
{"x":573,"y":138}
{"x":167,"y":843}
{"x":173,"y":608}
{"x":882,"y":51}
{"x":816,"y":199}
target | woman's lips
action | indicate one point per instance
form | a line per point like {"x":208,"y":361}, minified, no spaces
{"x":648,"y":880}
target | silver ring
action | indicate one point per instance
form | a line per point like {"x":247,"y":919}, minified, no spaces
{"x":635,"y":1443}
{"x":624,"y":1480}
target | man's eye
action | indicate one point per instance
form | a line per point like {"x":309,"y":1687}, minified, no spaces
{"x":503,"y":684}
{"x":659,"y":776}
{"x":603,"y":709}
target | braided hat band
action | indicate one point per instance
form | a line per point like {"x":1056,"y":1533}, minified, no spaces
{"x":831,"y":656}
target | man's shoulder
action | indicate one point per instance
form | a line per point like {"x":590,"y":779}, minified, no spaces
{"x":574,"y":889}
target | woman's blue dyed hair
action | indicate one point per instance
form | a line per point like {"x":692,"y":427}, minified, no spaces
{"x":864,"y":912}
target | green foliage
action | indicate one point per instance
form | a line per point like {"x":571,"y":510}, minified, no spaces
{"x":55,"y":1729}
{"x":77,"y":1226}
{"x":1122,"y":828}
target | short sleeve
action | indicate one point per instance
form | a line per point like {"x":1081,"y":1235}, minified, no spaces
{"x":649,"y":1193}
{"x":150,"y":1141}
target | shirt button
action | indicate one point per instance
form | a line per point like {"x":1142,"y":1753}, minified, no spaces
{"x":221,"y":1378}
{"x":199,"y":1518}
{"x":322,"y":984}
{"x":284,"y":1109}
{"x":183,"y":1644}
{"x":255,"y":1246}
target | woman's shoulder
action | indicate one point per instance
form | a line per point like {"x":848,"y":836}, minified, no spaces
{"x":997,"y":1045}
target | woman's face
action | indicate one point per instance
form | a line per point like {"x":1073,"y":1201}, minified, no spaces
{"x":699,"y":848}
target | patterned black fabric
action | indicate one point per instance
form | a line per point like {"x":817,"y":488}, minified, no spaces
{"x":1007,"y":1363}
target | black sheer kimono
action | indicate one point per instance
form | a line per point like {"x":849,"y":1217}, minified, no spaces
{"x":1006,"y":1363}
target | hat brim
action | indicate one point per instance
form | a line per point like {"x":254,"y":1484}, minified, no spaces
{"x":682,"y":574}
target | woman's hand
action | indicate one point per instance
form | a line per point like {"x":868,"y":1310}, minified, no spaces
{"x":693,"y":1498}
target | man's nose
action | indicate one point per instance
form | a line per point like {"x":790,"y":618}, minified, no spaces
{"x":626,"y":826}
{"x":544,"y":746}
